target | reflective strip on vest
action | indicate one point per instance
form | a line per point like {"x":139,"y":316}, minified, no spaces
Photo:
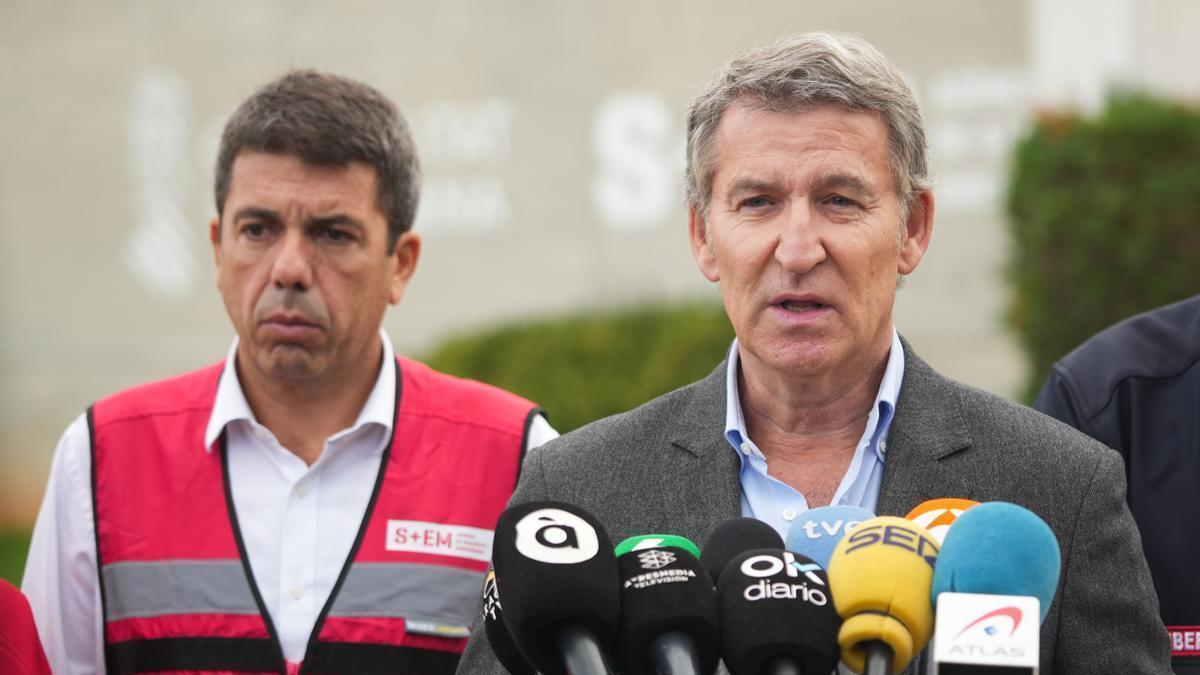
{"x":444,"y":595}
{"x":142,"y":589}
{"x":412,"y":591}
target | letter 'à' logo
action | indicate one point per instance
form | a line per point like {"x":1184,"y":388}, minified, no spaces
{"x":557,"y":537}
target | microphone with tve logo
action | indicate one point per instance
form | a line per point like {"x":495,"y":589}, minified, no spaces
{"x":819,"y":530}
{"x":993,"y":585}
{"x":560,"y":585}
{"x":668,"y":609}
{"x":777,"y":616}
{"x":733,"y":537}
{"x":881,"y":573}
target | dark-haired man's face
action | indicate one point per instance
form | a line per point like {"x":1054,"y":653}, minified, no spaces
{"x":304,"y":268}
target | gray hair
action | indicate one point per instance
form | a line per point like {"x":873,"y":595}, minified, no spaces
{"x":801,"y":71}
{"x":327,"y":119}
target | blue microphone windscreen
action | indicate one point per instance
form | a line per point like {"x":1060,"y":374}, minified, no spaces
{"x":999,"y":549}
{"x":818,"y":531}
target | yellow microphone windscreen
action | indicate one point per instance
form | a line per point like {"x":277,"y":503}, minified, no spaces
{"x":880,"y":576}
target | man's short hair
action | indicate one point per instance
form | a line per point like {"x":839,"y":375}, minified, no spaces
{"x":326,"y":119}
{"x":799,"y":72}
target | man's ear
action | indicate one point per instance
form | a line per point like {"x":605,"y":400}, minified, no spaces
{"x":214,"y":236}
{"x":702,"y":250}
{"x":404,"y":263}
{"x":917,"y":231}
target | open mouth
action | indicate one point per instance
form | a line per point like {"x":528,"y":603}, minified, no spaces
{"x":799,"y":306}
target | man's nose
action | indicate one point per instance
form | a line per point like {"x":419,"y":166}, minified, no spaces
{"x":293,"y":265}
{"x":800,"y":247}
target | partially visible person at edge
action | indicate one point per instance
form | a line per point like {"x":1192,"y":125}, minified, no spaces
{"x":808,"y":197}
{"x":1135,"y":387}
{"x":20,"y":649}
{"x":313,"y":497}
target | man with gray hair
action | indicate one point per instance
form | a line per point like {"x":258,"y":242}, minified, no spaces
{"x":808,"y":197}
{"x":313,"y":502}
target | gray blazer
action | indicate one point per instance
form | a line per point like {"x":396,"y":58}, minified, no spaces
{"x":666,"y":467}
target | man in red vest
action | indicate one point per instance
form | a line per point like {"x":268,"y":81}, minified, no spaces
{"x":20,"y":649}
{"x":312,"y":502}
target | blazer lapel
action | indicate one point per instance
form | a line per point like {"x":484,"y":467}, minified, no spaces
{"x":702,"y":457}
{"x":928,"y":427}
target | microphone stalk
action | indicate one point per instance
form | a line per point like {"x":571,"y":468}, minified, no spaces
{"x":879,"y":658}
{"x":783,"y":665}
{"x":580,"y":650}
{"x":675,"y":653}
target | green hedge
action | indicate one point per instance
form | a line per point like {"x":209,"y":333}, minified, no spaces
{"x":585,"y":367}
{"x":14,"y":544}
{"x":1105,"y":216}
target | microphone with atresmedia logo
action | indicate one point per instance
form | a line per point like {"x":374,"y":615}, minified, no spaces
{"x":668,"y":609}
{"x":560,"y":586}
{"x":733,"y":537}
{"x":881,"y":574}
{"x":777,"y":616}
{"x":993,"y":585}
{"x":820,"y":530}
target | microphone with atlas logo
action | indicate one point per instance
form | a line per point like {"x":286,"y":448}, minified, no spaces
{"x":777,"y":616}
{"x":560,"y":585}
{"x":994,"y":581}
{"x":881,"y":574}
{"x":668,"y":609}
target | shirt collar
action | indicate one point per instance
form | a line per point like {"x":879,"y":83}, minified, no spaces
{"x":878,"y":420}
{"x":230,"y":404}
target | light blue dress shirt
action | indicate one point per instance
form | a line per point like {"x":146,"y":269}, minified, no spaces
{"x":778,"y":504}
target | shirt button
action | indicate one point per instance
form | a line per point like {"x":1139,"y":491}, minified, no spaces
{"x":302,"y":490}
{"x":883,"y":446}
{"x":789,"y":515}
{"x":297,"y":593}
{"x":746,"y":449}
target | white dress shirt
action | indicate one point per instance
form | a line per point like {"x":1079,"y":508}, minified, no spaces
{"x":298,"y":522}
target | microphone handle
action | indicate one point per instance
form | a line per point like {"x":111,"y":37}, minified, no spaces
{"x":879,"y":658}
{"x":675,"y":653}
{"x":580,"y":650}
{"x":782,"y":665}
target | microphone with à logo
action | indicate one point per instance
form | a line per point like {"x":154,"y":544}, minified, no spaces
{"x":499,"y":638}
{"x":560,"y":585}
{"x":668,"y":609}
{"x":777,"y":615}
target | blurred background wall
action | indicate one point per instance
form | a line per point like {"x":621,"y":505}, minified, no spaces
{"x":551,"y":133}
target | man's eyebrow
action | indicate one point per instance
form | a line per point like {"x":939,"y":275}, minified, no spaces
{"x":257,"y":213}
{"x":333,"y":220}
{"x":743,"y":185}
{"x":842,"y":181}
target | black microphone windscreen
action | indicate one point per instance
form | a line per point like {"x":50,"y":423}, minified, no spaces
{"x":556,"y":565}
{"x":734,"y":537}
{"x":499,"y":638}
{"x":774,"y":604}
{"x":663,"y":590}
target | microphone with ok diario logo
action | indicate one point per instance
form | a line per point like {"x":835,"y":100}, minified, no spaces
{"x":668,"y":609}
{"x":819,"y":530}
{"x":734,"y":537}
{"x":881,"y":574}
{"x":994,"y":581}
{"x":560,"y":586}
{"x":777,"y":615}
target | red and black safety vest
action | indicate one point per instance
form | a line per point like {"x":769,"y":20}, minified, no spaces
{"x":178,"y":593}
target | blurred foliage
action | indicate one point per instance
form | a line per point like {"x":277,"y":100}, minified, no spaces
{"x":1105,"y":216}
{"x":585,"y":367}
{"x":14,"y":544}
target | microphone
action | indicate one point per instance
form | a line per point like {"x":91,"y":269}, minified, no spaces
{"x":668,"y":610}
{"x":937,"y":515}
{"x":998,"y":570}
{"x":822,"y":528}
{"x":735,"y":536}
{"x":777,"y":616}
{"x":497,"y":632}
{"x":881,"y":574}
{"x":561,"y":597}
{"x":642,"y":542}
